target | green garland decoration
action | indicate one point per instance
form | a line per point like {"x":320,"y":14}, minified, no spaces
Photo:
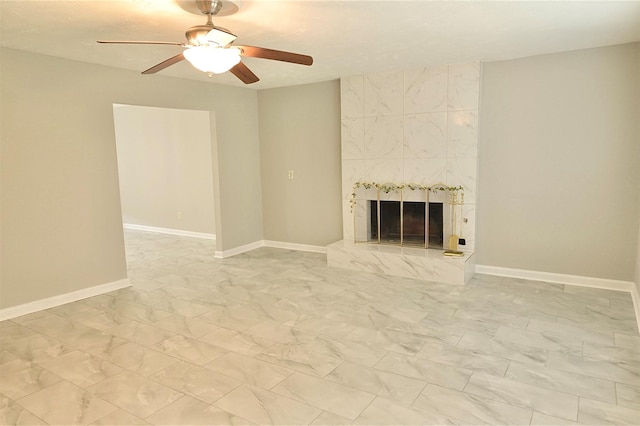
{"x":389,"y":186}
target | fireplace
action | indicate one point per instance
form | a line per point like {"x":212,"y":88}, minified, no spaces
{"x":396,"y":226}
{"x":417,"y":223}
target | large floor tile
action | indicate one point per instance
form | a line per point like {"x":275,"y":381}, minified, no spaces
{"x":539,"y":419}
{"x":388,"y":340}
{"x":523,"y":395}
{"x":19,"y":378}
{"x":190,"y":411}
{"x":10,"y":330}
{"x":249,"y":370}
{"x":199,"y":382}
{"x":463,"y":358}
{"x":425,"y":370}
{"x":277,"y":332}
{"x":140,"y":332}
{"x":185,"y":326}
{"x":135,"y":394}
{"x":12,"y":413}
{"x":236,"y":341}
{"x":139,"y":359}
{"x":119,"y":417}
{"x":600,"y":413}
{"x":327,"y":418}
{"x":100,"y":319}
{"x":466,"y":408}
{"x":330,"y":396}
{"x":386,"y":412}
{"x":481,"y":343}
{"x":570,"y":332}
{"x":81,"y":368}
{"x":627,"y":341}
{"x":563,"y":381}
{"x":265,"y":407}
{"x":381,"y":383}
{"x":36,"y":348}
{"x":187,"y":349}
{"x":363,"y":352}
{"x":297,"y":357}
{"x":539,"y":340}
{"x":628,"y":396}
{"x":325,"y":326}
{"x":66,"y":403}
{"x":616,"y":371}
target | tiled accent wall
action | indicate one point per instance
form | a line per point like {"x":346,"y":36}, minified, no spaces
{"x":412,"y":126}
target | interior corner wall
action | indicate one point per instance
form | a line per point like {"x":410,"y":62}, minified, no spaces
{"x":165,"y":167}
{"x":300,"y":132}
{"x":637,"y":273}
{"x":558,"y":175}
{"x":61,"y":217}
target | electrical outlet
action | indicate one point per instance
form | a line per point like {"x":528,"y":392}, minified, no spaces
{"x":462,"y":241}
{"x":179,"y":215}
{"x":290,"y":174}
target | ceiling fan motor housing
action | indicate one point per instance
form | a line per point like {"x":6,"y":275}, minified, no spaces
{"x":196,"y":35}
{"x":210,"y":7}
{"x":209,"y":34}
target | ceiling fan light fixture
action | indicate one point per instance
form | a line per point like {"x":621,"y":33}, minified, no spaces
{"x":213,"y":59}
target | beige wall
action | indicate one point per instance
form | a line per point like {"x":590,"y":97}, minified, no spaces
{"x":300,"y":131}
{"x":559,"y":129}
{"x":558,"y":181}
{"x":165,"y":167}
{"x":61,"y":221}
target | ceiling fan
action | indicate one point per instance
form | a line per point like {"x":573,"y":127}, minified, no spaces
{"x":210,"y":48}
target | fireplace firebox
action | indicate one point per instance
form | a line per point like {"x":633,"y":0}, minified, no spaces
{"x":407,"y":223}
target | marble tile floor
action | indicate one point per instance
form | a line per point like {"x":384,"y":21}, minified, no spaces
{"x":276,"y":337}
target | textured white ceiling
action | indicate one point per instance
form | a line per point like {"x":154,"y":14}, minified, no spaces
{"x":344,"y":37}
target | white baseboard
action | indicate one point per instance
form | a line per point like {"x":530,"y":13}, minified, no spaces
{"x":635,"y":296}
{"x":238,"y":250}
{"x":295,"y":246}
{"x":169,"y":231}
{"x":269,"y":243}
{"x":551,"y":277}
{"x":52,"y":302}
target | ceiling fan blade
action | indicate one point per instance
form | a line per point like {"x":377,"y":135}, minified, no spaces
{"x":278,"y":55}
{"x":173,"y":43}
{"x":164,"y":64}
{"x":244,"y":73}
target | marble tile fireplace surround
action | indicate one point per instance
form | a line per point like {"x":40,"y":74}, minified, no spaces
{"x":414,"y":126}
